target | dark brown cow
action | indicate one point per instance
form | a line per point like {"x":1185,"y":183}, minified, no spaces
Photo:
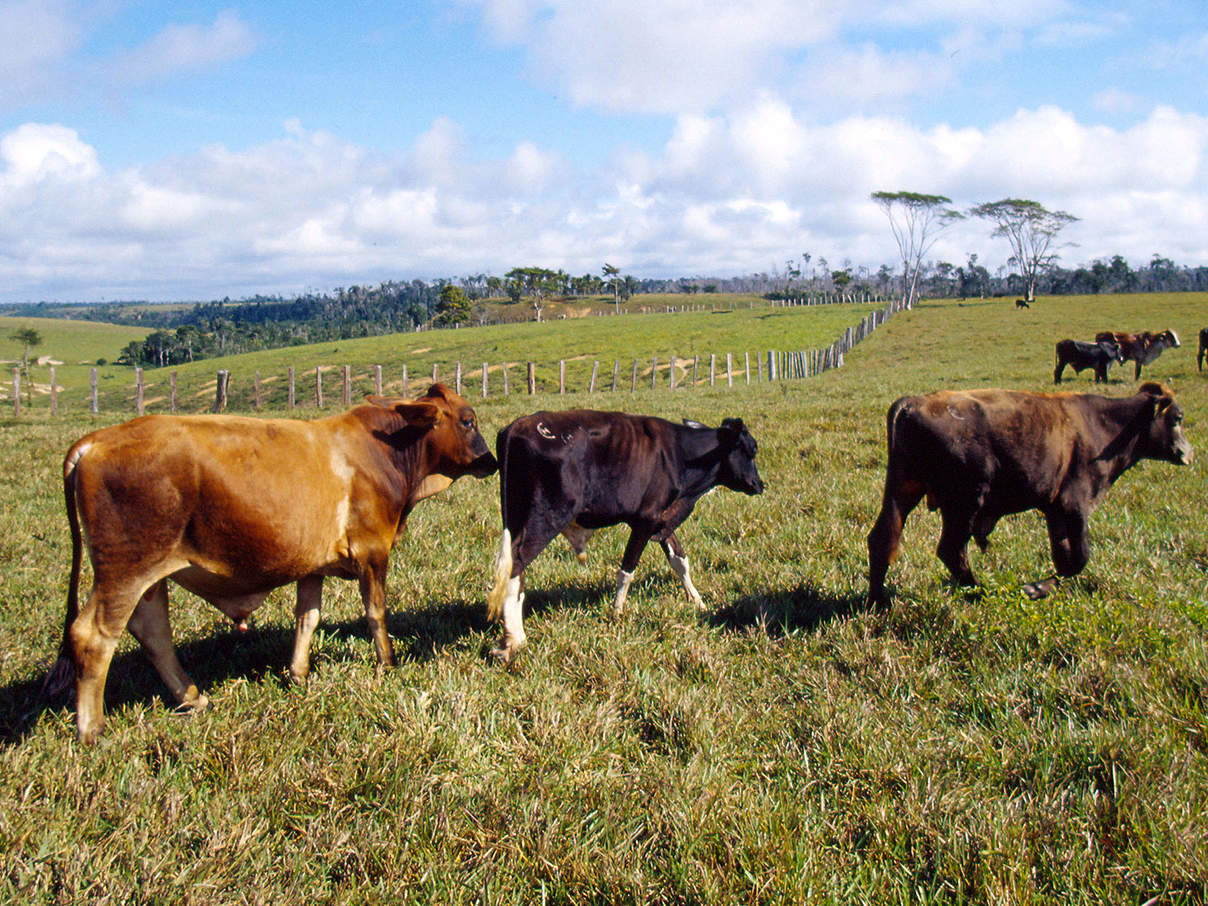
{"x":1203,"y":349}
{"x":231,"y":508}
{"x":1141,"y":348}
{"x":578,"y":471}
{"x":979,"y":455}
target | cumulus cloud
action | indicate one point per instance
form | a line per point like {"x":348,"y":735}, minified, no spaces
{"x":38,"y":36}
{"x":725,"y":194}
{"x":185,"y":48}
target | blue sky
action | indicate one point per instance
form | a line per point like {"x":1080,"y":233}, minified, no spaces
{"x":191,"y":150}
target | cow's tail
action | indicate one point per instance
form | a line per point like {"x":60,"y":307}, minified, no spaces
{"x":503,"y":559}
{"x":503,"y":572}
{"x":62,"y":674}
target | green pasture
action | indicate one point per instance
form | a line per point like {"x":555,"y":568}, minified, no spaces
{"x":786,"y":747}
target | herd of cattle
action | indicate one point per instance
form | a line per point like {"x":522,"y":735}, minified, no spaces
{"x":1142,"y":348}
{"x":231,"y":508}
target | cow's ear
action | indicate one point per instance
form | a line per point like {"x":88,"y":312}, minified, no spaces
{"x":731,"y":429}
{"x":419,"y":415}
{"x":1153,"y":388}
{"x":384,"y":401}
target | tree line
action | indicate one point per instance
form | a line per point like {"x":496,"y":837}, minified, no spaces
{"x":179,"y":334}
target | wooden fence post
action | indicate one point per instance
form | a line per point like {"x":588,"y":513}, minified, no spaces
{"x":256,"y":390}
{"x":347,"y":386}
{"x":504,"y":369}
{"x":457,"y":379}
{"x":484,"y":380}
{"x":654,"y":372}
{"x":595,"y":367}
{"x":673,"y":371}
{"x":532,"y":378}
{"x":16,"y":391}
{"x":172,"y":391}
{"x":220,"y":390}
{"x":433,"y":372}
{"x":138,"y":390}
{"x":406,"y":391}
{"x":291,"y":386}
{"x":377,"y":379}
{"x":92,"y":382}
{"x":695,"y":364}
{"x":729,"y":372}
{"x":633,"y":382}
{"x":561,"y":375}
{"x":616,"y":365}
{"x":54,"y":392}
{"x":712,"y":367}
{"x":318,"y":386}
{"x":747,"y":366}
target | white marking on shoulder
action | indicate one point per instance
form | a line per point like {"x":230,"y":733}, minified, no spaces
{"x":544,"y":431}
{"x":343,"y":471}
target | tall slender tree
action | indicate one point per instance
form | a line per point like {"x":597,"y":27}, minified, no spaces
{"x":612,"y":275}
{"x":916,"y":220}
{"x":1030,"y":229}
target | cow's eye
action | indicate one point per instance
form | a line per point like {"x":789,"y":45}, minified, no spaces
{"x":468,"y":422}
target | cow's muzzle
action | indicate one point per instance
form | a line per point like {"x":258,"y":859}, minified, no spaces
{"x":484,"y":465}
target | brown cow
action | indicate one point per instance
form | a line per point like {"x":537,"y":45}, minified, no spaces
{"x":979,"y":455}
{"x":1142,"y":348}
{"x":231,"y":508}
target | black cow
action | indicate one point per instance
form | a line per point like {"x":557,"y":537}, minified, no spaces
{"x":578,"y":471}
{"x":1143,"y":347}
{"x":1022,"y":303}
{"x":1080,"y":356}
{"x":979,"y":455}
{"x":1203,"y":348}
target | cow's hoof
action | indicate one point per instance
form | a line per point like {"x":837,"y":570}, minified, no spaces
{"x":1038,"y":590}
{"x":504,"y":653}
{"x":193,"y":704}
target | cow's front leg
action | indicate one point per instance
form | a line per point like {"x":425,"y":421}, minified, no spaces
{"x":1070,"y":545}
{"x":629,"y":562}
{"x":373,"y":593}
{"x":306,"y":619}
{"x":513,"y":638}
{"x":679,"y":563}
{"x":150,"y":625}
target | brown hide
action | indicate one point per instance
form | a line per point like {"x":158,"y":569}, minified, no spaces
{"x":980,"y":455}
{"x":231,"y":508}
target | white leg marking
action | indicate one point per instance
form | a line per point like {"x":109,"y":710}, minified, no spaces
{"x":623,"y":580}
{"x":680,"y":565}
{"x":513,"y":621}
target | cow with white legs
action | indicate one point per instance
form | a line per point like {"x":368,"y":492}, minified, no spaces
{"x":574,"y":472}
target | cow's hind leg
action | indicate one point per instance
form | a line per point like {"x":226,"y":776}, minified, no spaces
{"x":953,"y":549}
{"x":679,"y":563}
{"x":93,"y":638}
{"x":506,"y":599}
{"x":150,"y":625}
{"x":886,"y":534}
{"x":629,"y":562}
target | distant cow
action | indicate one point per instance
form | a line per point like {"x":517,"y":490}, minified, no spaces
{"x":979,"y":455}
{"x":1141,"y":348}
{"x":1080,"y":356}
{"x":578,"y":471}
{"x":1022,"y":303}
{"x":1203,"y":348}
{"x":231,"y":508}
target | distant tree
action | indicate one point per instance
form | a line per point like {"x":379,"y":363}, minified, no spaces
{"x":612,"y":277}
{"x":916,"y":220}
{"x":453,"y":306}
{"x":1030,"y":229}
{"x":28,"y":338}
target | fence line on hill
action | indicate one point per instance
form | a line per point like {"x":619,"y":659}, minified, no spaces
{"x":681,"y":372}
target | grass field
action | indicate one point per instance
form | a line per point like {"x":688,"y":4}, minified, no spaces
{"x":787,"y":747}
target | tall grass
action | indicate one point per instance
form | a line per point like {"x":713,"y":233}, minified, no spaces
{"x":787,"y":747}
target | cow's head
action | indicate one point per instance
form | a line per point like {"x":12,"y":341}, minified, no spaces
{"x":1165,"y":438}
{"x":1113,"y":350}
{"x":1170,"y":338}
{"x":738,"y":448}
{"x":451,"y":430}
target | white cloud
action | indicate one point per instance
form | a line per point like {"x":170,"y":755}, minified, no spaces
{"x":185,"y":48}
{"x":38,"y":36}
{"x":725,"y":194}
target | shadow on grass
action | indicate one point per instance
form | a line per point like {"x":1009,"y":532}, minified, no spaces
{"x":257,"y":655}
{"x":785,"y":612}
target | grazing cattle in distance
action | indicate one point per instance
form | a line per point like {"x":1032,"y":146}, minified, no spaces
{"x":1022,"y":303}
{"x":979,"y":455}
{"x":1203,"y":349}
{"x":1080,"y":356}
{"x":1141,"y":348}
{"x":231,"y":508}
{"x":578,"y":471}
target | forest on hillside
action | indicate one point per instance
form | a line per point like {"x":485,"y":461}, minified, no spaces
{"x":183,"y":333}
